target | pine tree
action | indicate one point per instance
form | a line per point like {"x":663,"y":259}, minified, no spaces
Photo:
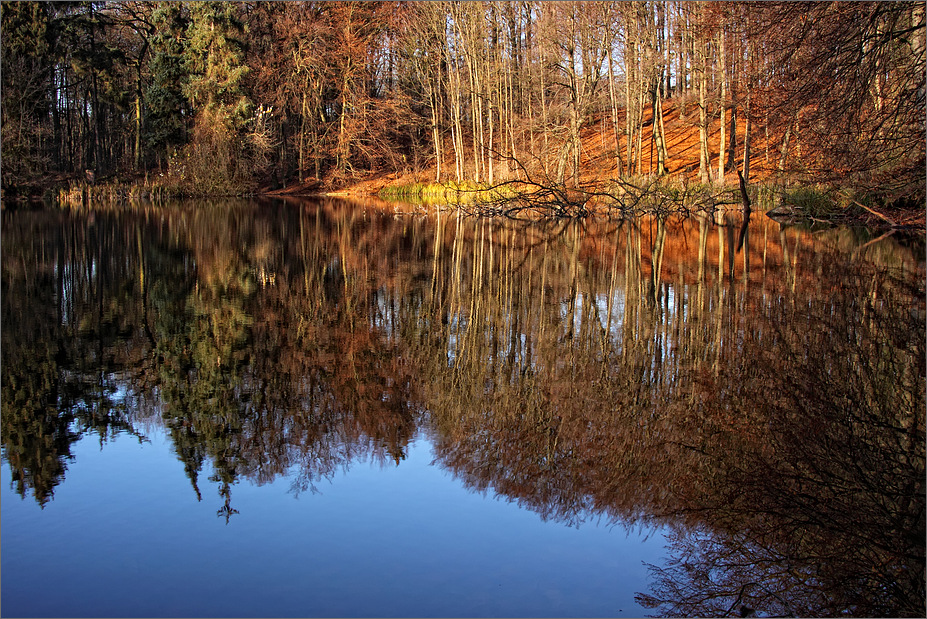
{"x":215,"y":62}
{"x":165,"y":101}
{"x":27,"y":63}
{"x":218,"y":158}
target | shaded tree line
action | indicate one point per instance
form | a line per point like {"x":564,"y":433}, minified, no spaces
{"x":223,"y":97}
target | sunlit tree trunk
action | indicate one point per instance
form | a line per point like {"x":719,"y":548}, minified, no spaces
{"x":612,"y":97}
{"x":704,"y":174}
{"x":746,"y":159}
{"x":722,"y":75}
{"x":656,"y":60}
{"x":302,"y":133}
{"x":784,"y":148}
{"x":629,"y":123}
{"x":436,"y":134}
{"x":639,"y":127}
{"x":658,"y":129}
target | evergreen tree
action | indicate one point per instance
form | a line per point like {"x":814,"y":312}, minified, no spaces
{"x":217,"y":159}
{"x":166,"y":104}
{"x":27,"y":63}
{"x":215,"y":62}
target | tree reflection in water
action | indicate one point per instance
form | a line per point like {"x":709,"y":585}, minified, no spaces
{"x":814,"y":440}
{"x":765,"y":404}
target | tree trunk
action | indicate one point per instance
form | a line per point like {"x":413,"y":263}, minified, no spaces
{"x":704,"y":173}
{"x":746,"y":161}
{"x":302,"y":134}
{"x":489,"y":166}
{"x":138,"y":130}
{"x":732,"y":140}
{"x":784,"y":149}
{"x":614,"y":102}
{"x":575,"y":120}
{"x":722,"y":104}
{"x":658,"y":135}
{"x":456,"y":128}
{"x":628,"y":116}
{"x":436,"y":134}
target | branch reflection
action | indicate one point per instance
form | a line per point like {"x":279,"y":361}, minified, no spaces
{"x":765,"y":405}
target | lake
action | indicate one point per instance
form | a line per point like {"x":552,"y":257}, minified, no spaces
{"x":324,"y":408}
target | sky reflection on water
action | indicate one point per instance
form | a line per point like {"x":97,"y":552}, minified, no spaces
{"x":345,"y":412}
{"x":125,"y":536}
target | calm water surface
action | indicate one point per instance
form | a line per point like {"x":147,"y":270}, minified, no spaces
{"x":321,"y":409}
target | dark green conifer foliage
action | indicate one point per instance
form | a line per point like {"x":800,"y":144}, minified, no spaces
{"x":167,"y":108}
{"x":215,"y":62}
{"x":217,"y":159}
{"x":27,"y":66}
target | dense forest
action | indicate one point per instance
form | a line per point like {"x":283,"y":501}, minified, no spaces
{"x":220,"y":97}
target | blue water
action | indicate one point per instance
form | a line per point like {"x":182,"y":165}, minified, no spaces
{"x":303,"y":404}
{"x":126,"y":536}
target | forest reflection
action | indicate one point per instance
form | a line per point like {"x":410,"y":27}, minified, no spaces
{"x":765,"y":404}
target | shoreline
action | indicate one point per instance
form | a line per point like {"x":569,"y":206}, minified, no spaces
{"x":800,"y":203}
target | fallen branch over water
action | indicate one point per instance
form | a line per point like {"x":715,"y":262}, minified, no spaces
{"x":874,"y":212}
{"x":529,"y":198}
